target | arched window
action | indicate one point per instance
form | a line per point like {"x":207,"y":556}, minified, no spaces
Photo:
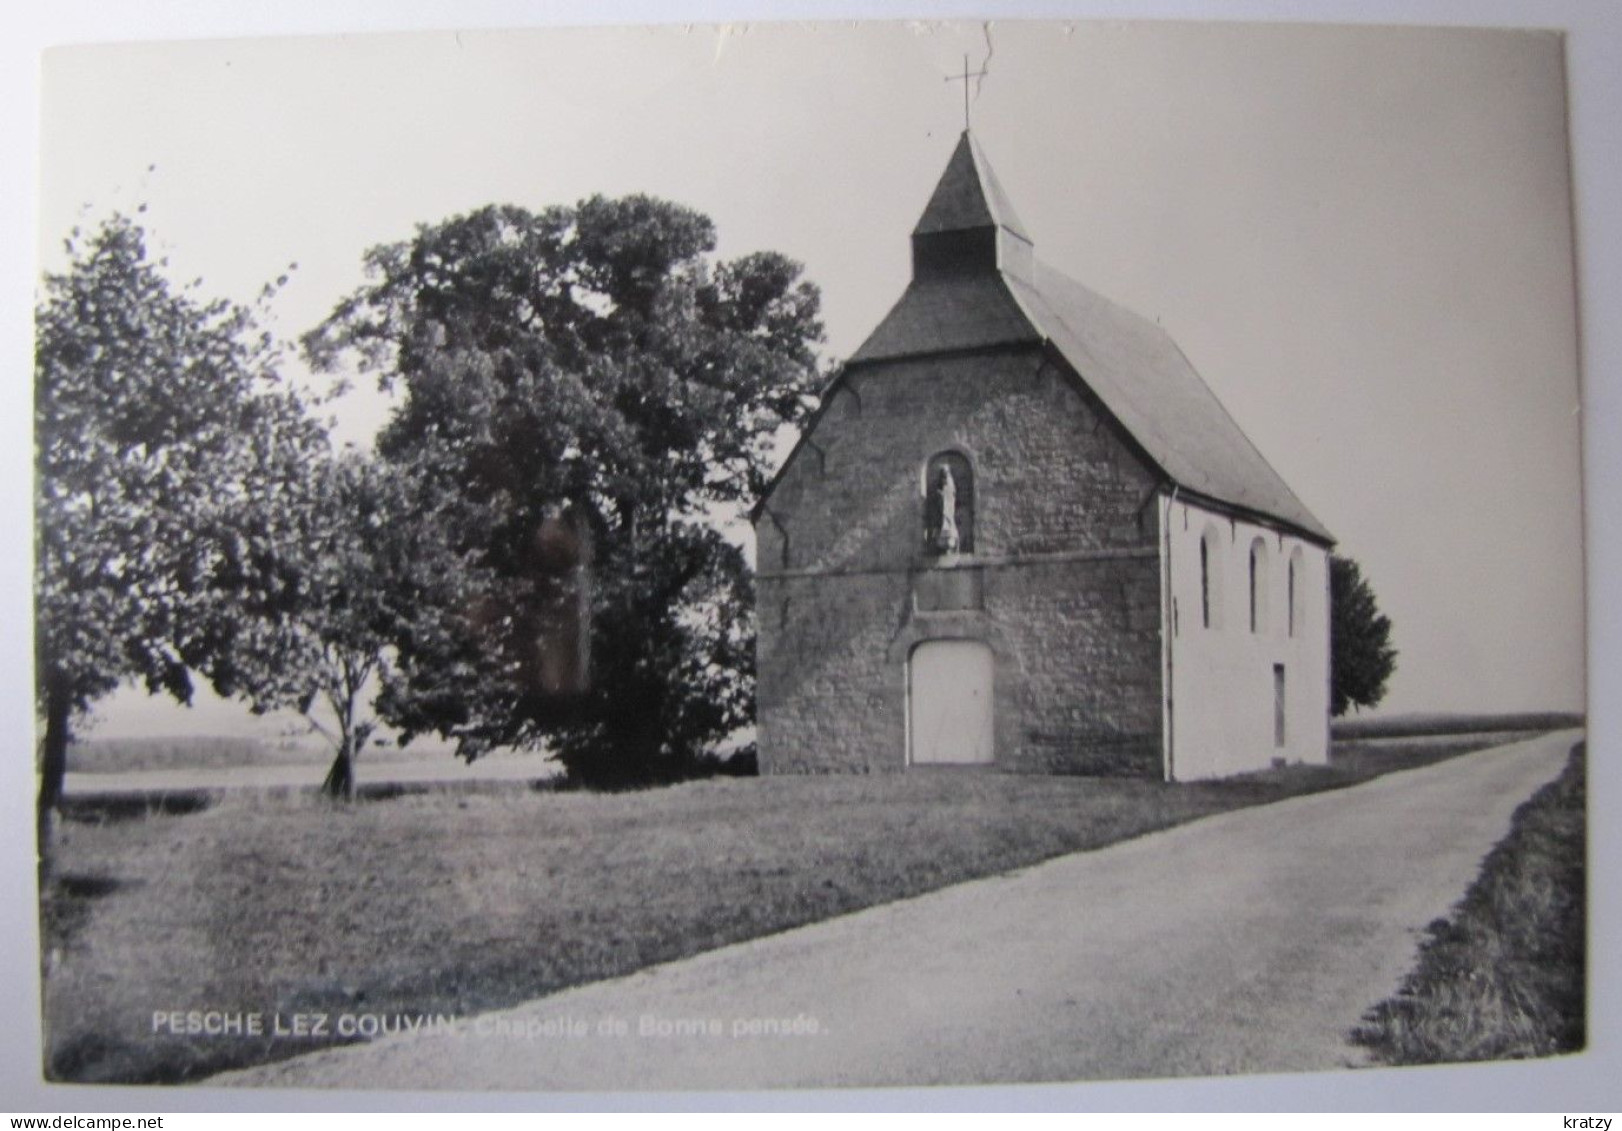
{"x":949,"y":504}
{"x":1210,"y":578}
{"x":1258,"y":586}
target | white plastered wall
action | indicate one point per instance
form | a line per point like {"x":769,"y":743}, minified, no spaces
{"x":1220,"y":678}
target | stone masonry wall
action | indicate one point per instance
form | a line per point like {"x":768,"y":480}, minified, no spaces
{"x":1063,"y":585}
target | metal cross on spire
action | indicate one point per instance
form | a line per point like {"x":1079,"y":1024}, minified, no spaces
{"x":964,"y":79}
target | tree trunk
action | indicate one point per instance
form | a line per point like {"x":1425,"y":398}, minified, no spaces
{"x":340,"y":783}
{"x":53,"y":763}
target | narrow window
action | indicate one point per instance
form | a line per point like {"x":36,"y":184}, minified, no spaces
{"x":1205,"y":582}
{"x":1210,"y":578}
{"x":1278,"y":704}
{"x":1258,"y":586}
{"x":1291,"y":611}
{"x":1295,"y":573}
{"x":1253,"y":589}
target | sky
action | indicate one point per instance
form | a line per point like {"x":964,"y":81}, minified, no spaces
{"x":1197,"y":207}
{"x":1361,"y":237}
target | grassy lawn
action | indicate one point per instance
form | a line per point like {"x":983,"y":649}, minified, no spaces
{"x":459,"y":901}
{"x":1504,"y":977}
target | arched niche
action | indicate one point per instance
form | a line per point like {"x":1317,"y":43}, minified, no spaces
{"x":949,"y":504}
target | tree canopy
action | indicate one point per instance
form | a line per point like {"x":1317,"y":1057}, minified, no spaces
{"x":592,"y":369}
{"x":373,"y":570}
{"x":1361,"y":658}
{"x":162,"y":435}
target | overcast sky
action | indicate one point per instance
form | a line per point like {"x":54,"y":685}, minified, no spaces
{"x":1360,"y":237}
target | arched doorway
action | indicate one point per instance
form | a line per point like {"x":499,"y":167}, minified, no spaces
{"x":949,"y":697}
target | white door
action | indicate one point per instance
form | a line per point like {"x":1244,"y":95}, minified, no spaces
{"x":949,"y":692}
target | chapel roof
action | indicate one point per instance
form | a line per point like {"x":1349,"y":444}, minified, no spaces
{"x":997,"y":294}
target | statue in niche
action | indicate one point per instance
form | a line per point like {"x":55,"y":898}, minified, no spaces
{"x":945,"y":539}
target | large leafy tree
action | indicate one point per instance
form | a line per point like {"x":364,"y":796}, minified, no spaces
{"x":592,"y":365}
{"x":163,"y":440}
{"x":1361,"y":658}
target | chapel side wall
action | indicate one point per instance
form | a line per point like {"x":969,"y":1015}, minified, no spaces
{"x":1063,"y":582}
{"x":1222,"y":676}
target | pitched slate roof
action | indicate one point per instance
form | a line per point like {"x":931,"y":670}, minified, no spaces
{"x":1129,"y":363}
{"x":946,"y":315}
{"x":1144,"y":379}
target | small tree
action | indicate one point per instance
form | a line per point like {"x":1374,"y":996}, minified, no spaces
{"x":373,"y":570}
{"x":160,"y":429}
{"x":591,"y":362}
{"x":1361,"y":658}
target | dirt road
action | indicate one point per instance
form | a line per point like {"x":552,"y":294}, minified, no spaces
{"x":1247,"y":942}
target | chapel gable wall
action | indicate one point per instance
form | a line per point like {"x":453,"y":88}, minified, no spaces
{"x":1062,"y":583}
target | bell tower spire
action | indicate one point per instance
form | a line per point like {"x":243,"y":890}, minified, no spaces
{"x":968,"y":226}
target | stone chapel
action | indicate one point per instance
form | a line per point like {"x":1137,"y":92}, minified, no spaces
{"x":1020,"y":532}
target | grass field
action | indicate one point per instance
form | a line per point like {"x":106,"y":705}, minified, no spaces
{"x":1504,"y":977}
{"x":455,"y":902}
{"x":1421,"y":725}
{"x":212,"y":752}
{"x":180,"y":752}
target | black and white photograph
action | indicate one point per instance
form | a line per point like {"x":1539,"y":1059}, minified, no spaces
{"x":799,"y":555}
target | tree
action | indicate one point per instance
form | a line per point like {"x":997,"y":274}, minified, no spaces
{"x":1361,"y":658}
{"x":373,"y":570}
{"x":589,"y":366}
{"x":161,"y":432}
